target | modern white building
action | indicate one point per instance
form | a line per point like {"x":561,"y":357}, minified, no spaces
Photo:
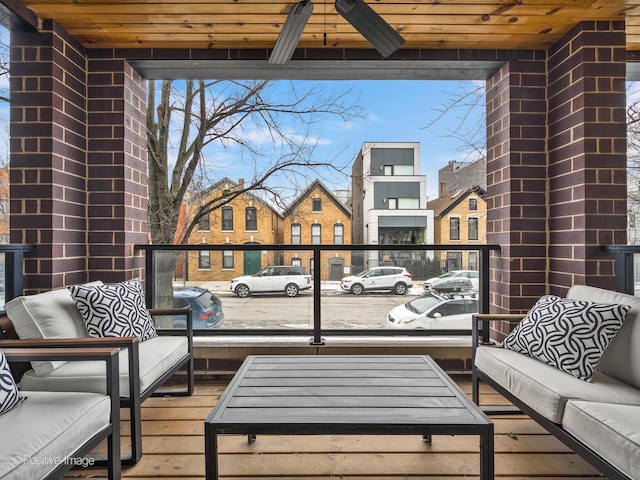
{"x":389,"y":198}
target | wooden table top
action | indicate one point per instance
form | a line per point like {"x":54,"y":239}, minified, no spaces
{"x":339,"y":394}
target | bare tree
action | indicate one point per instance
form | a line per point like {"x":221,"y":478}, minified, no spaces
{"x":184,"y":120}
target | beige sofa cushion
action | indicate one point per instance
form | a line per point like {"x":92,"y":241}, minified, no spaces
{"x":48,"y":427}
{"x":611,"y":430}
{"x":621,"y":359}
{"x":157,"y":355}
{"x":51,"y":314}
{"x":545,"y":388}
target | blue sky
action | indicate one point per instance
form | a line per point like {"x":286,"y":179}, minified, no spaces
{"x":394,"y":111}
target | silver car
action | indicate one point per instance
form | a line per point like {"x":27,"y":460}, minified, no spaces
{"x":288,"y":279}
{"x":394,"y":279}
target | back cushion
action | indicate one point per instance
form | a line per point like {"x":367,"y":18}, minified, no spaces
{"x":51,"y":314}
{"x":621,"y":359}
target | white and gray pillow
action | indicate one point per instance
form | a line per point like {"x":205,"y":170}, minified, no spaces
{"x":570,"y":335}
{"x":10,"y":396}
{"x":116,"y":310}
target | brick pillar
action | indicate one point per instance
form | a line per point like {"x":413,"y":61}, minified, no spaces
{"x":516,"y":183}
{"x":48,"y":155}
{"x":78,"y":166}
{"x":587,"y":154}
{"x":556,"y":167}
{"x":117,"y":168}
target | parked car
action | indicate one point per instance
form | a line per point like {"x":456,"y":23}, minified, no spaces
{"x":453,"y":281}
{"x":435,"y":312}
{"x":206,"y":307}
{"x":289,"y":279}
{"x":395,"y":279}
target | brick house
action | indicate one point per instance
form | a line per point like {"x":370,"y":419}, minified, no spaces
{"x":317,"y":216}
{"x":247,"y":219}
{"x":460,"y":218}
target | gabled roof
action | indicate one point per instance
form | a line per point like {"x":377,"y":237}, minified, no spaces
{"x":443,"y":205}
{"x":316,"y":183}
{"x":226,"y":181}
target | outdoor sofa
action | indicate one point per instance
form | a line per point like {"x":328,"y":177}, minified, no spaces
{"x":571,"y":367}
{"x":44,"y":434}
{"x":54,"y":317}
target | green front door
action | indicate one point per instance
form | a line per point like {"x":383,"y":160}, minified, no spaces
{"x":251,"y":262}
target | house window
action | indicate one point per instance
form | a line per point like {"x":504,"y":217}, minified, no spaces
{"x":295,"y":234}
{"x":338,"y":234}
{"x":473,"y":228}
{"x":227,"y":218}
{"x":473,"y":204}
{"x":227,"y":259}
{"x":204,"y":260}
{"x":388,"y":170}
{"x":296,"y":262}
{"x":204,"y":222}
{"x":251,"y":218}
{"x":316,"y":236}
{"x":316,"y":205}
{"x":454,"y":228}
{"x":393,"y":203}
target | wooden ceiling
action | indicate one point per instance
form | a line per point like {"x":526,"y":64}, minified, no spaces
{"x":425,"y":24}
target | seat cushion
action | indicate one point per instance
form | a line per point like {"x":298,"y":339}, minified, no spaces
{"x":51,"y":314}
{"x":545,"y":388}
{"x":157,"y":355}
{"x":609,"y":429}
{"x":47,"y":428}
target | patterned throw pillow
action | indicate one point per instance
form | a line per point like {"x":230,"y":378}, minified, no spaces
{"x":10,"y":396}
{"x":116,"y":310}
{"x":570,"y":335}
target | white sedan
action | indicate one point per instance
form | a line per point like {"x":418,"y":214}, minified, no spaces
{"x":434,"y":312}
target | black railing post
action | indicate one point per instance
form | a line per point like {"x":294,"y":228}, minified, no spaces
{"x":150,"y":279}
{"x":624,"y":272}
{"x":317,"y":287}
{"x":483,"y":287}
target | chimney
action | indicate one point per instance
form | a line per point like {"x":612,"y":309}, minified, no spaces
{"x":241,"y":182}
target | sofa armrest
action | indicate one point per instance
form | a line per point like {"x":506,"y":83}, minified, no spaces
{"x":480,"y":324}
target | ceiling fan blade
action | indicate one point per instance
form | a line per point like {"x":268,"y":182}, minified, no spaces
{"x":290,"y":33}
{"x":370,"y":25}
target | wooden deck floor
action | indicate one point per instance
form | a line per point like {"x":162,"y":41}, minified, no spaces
{"x":173,"y":448}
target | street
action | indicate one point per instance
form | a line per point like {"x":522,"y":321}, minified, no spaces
{"x":338,"y":310}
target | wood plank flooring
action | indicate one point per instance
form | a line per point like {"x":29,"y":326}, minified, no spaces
{"x":173,"y":448}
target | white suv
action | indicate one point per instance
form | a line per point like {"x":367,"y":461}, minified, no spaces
{"x":395,"y":279}
{"x":276,"y":278}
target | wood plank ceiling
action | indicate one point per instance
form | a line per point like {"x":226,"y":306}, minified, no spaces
{"x":243,"y":24}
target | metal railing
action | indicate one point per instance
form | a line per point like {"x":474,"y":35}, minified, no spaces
{"x":152,"y":253}
{"x":11,"y":271}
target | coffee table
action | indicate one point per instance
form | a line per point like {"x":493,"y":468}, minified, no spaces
{"x":359,"y":395}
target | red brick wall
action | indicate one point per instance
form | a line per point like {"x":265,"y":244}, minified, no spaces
{"x":556,"y":165}
{"x":78,"y":161}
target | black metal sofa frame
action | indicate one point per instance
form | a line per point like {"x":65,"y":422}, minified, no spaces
{"x":134,"y":401}
{"x":480,"y":336}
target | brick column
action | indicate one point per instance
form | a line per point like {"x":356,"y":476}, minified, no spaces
{"x":48,"y":155}
{"x":117,"y":169}
{"x":516,"y":183}
{"x":587,"y":154}
{"x":556,"y":167}
{"x":78,"y":166}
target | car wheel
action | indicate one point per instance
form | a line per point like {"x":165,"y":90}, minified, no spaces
{"x":357,"y":289}
{"x":242,"y":291}
{"x":400,"y":288}
{"x":291,"y":290}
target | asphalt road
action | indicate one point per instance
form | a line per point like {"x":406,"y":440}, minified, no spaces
{"x":338,"y":310}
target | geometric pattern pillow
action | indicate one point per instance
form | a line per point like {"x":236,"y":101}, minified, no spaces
{"x":116,"y":310}
{"x":9,"y":394}
{"x":570,"y":335}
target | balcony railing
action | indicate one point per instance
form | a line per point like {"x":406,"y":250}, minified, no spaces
{"x":11,"y":270}
{"x":160,"y":258}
